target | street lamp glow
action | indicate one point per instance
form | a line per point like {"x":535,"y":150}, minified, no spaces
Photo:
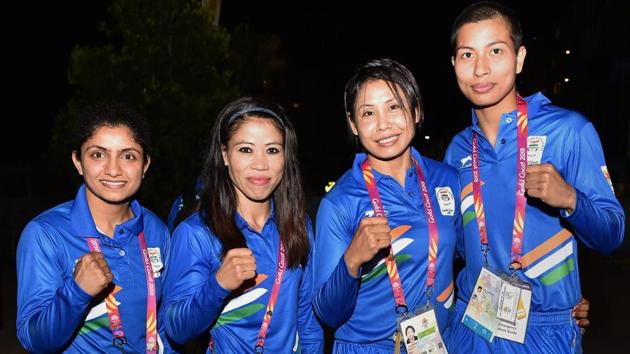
{"x":566,"y":79}
{"x":567,"y":52}
{"x":426,"y":137}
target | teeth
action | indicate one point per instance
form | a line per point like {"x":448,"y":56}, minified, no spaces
{"x":387,"y":140}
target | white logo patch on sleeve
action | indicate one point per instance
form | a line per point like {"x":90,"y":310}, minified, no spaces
{"x":607,"y":175}
{"x":445,"y":198}
{"x":535,"y":148}
{"x":156,"y":261}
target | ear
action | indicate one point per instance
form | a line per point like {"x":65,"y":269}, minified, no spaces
{"x":147,"y":162}
{"x":520,"y":59}
{"x":224,"y":154}
{"x":77,"y":162}
{"x":419,"y":118}
{"x":453,"y":60}
{"x":352,"y":126}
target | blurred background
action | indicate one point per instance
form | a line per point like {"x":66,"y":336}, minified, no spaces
{"x":180,"y":61}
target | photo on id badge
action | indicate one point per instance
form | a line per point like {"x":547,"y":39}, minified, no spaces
{"x":421,"y":335}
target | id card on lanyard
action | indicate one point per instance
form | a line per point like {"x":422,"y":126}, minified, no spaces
{"x":499,"y":304}
{"x":115,"y":321}
{"x":430,"y":336}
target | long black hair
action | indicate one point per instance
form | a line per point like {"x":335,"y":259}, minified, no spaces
{"x":218,"y":197}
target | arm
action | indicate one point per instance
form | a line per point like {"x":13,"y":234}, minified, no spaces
{"x":336,"y":290}
{"x":309,"y":330}
{"x":193,"y":298}
{"x":582,"y":192}
{"x":50,"y":308}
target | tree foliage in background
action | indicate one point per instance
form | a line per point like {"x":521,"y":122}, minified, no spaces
{"x":164,"y":58}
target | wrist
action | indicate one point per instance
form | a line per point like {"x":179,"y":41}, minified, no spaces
{"x":352,"y":265}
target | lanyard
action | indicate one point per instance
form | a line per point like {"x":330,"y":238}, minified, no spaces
{"x":521,"y":200}
{"x":115,"y":321}
{"x":392,"y":269}
{"x":271,"y":304}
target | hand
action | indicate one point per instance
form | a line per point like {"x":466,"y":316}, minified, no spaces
{"x":545,"y":183}
{"x":92,"y":273}
{"x":580,"y":313}
{"x":371,"y":236}
{"x":238,"y":266}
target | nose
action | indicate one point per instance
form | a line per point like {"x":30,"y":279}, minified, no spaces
{"x":481,"y":67}
{"x":259,"y":163}
{"x":383,"y":121}
{"x":113,"y":168}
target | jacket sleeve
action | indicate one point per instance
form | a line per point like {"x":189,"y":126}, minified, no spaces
{"x":598,"y":218}
{"x":193,"y":298}
{"x":309,"y":330}
{"x":336,"y":289}
{"x":50,"y":307}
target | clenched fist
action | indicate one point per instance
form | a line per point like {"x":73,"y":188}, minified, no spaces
{"x":371,"y":236}
{"x":545,"y":183}
{"x":238,"y":266}
{"x":92,"y":273}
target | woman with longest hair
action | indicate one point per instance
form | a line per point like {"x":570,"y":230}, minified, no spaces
{"x":241,"y":265}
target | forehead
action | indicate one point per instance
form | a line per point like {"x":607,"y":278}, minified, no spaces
{"x":257,"y":128}
{"x":480,"y":33}
{"x":377,"y":90}
{"x":119,"y":134}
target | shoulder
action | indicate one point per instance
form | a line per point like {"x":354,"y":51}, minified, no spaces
{"x":47,"y":229}
{"x":194,"y":232}
{"x":561,"y":118}
{"x":459,"y":148}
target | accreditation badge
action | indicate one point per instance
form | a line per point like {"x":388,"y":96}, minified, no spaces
{"x":515,"y":330}
{"x":421,"y":333}
{"x":481,"y":312}
{"x":156,"y":261}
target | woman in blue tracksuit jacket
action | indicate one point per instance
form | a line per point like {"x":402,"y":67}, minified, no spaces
{"x":354,"y":293}
{"x":84,"y":267}
{"x":250,"y":233}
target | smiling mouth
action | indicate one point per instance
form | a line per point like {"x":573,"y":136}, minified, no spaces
{"x":388,"y":141}
{"x":113,"y":184}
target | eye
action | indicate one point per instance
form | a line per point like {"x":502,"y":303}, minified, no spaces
{"x":245,"y":149}
{"x":394,"y":107}
{"x":129,"y":156}
{"x":97,"y":155}
{"x":273,"y":150}
{"x":496,"y":51}
{"x":466,"y":55}
{"x":367,"y":114}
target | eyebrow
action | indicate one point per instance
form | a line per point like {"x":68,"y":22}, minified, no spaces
{"x":250,"y":143}
{"x":487,"y":45}
{"x":393,"y":99}
{"x":106,"y":149}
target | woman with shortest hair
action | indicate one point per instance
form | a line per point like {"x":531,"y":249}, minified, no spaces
{"x":241,"y":264}
{"x":89,"y":270}
{"x":386,"y":232}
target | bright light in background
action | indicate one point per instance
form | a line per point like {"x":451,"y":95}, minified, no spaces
{"x":329,"y":186}
{"x":566,"y":79}
{"x":426,"y":137}
{"x":567,"y":52}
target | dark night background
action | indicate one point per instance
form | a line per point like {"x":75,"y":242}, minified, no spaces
{"x":316,"y":45}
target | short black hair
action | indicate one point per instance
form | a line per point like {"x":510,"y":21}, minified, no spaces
{"x":487,"y":10}
{"x":395,"y":75}
{"x":111,"y":114}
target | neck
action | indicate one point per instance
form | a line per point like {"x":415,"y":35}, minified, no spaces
{"x":396,"y":168}
{"x":489,"y":117}
{"x":106,"y":216}
{"x":255,"y":213}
